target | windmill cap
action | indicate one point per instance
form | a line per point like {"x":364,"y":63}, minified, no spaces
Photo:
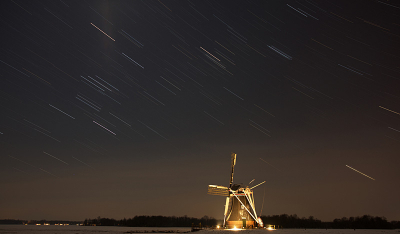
{"x":236,"y":187}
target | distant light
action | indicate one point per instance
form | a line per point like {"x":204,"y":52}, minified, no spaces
{"x":218,"y":226}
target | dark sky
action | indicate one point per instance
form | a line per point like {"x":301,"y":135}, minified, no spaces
{"x":124,"y":108}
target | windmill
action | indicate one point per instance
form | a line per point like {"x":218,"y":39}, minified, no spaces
{"x":240,"y":210}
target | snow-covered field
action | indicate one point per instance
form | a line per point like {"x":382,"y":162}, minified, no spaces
{"x":311,"y":231}
{"x":21,"y":229}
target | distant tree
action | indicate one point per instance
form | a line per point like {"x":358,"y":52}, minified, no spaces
{"x":12,"y":221}
{"x":363,"y":222}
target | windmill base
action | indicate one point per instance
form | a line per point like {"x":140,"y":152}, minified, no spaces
{"x":240,"y":224}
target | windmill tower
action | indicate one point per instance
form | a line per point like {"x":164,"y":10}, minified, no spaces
{"x":240,"y":210}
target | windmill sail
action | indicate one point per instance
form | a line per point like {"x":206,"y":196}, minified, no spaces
{"x":233,"y":159}
{"x":218,"y":190}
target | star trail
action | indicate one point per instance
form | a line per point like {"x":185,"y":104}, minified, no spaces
{"x":123,"y":108}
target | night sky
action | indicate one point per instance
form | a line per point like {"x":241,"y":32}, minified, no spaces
{"x":124,"y":108}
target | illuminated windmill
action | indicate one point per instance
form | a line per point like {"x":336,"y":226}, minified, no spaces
{"x":239,"y":207}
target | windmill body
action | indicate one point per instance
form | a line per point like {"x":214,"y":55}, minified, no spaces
{"x":240,"y":210}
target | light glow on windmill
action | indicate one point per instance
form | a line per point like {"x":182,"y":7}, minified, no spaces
{"x":234,"y":229}
{"x":270,"y":227}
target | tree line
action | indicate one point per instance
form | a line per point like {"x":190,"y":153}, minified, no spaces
{"x":280,"y":221}
{"x":359,"y":222}
{"x":41,"y":222}
{"x":153,"y":221}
